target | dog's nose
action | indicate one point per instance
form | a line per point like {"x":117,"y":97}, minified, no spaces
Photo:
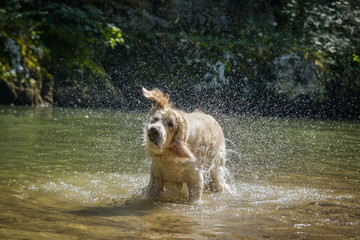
{"x":153,"y":134}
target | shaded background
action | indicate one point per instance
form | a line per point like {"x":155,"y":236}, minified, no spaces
{"x":279,"y":58}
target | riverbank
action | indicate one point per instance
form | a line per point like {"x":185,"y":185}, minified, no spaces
{"x":255,"y":58}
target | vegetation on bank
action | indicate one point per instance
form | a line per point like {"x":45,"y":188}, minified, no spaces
{"x":259,"y":57}
{"x":52,"y":45}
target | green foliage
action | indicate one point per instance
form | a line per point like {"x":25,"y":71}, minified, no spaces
{"x":114,"y":36}
{"x":83,"y":35}
{"x":356,"y":58}
{"x":53,"y":37}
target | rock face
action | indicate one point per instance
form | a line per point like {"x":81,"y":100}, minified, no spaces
{"x":200,"y":15}
{"x":296,"y":76}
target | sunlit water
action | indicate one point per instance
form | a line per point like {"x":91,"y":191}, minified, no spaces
{"x":71,"y":173}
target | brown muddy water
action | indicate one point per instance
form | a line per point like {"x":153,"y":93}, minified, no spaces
{"x":73,"y":174}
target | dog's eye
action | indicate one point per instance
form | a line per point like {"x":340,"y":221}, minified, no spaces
{"x":170,"y":124}
{"x":155,"y":119}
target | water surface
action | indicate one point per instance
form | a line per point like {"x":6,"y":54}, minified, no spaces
{"x":73,"y":173}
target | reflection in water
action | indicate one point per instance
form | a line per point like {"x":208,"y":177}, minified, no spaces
{"x":67,"y":173}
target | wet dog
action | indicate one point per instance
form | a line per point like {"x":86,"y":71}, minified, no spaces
{"x":185,"y":148}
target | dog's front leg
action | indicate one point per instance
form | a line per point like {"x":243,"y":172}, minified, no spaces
{"x":154,"y":187}
{"x":195,"y":182}
{"x":149,"y":187}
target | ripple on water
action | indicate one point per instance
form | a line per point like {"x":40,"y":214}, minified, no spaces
{"x":105,"y":188}
{"x":92,"y":189}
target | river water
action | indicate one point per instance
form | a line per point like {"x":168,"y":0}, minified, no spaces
{"x":76,"y":173}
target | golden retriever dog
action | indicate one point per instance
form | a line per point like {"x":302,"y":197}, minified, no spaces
{"x":185,"y":148}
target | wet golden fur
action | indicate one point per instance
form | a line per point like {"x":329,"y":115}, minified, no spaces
{"x":185,"y":148}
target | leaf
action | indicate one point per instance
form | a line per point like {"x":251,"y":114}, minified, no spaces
{"x":112,"y":43}
{"x":356,"y":58}
{"x":32,"y":81}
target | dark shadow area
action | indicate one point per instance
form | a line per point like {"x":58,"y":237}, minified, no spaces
{"x":135,"y":206}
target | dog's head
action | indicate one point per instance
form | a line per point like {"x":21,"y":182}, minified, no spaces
{"x":165,"y":125}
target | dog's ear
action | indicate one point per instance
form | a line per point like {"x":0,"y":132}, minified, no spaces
{"x":159,"y":97}
{"x":180,"y":148}
{"x":181,"y":127}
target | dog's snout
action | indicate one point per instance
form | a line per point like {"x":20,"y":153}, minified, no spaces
{"x":153,"y":134}
{"x":153,"y":131}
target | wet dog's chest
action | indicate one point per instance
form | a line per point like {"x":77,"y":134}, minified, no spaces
{"x":170,"y":171}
